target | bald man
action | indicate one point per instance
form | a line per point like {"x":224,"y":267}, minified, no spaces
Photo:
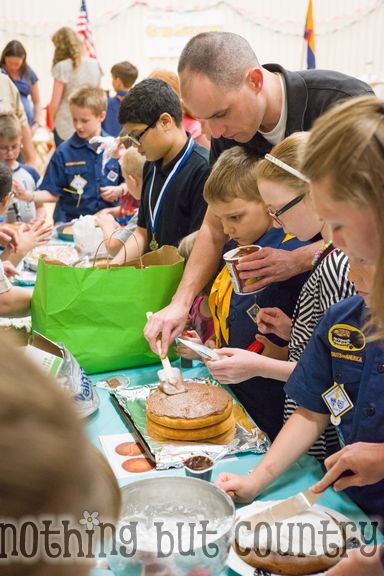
{"x":254,"y":106}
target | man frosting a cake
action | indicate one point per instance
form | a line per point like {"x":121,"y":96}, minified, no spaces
{"x":253,"y":106}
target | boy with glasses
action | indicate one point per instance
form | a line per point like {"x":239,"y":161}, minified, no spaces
{"x":172,"y":204}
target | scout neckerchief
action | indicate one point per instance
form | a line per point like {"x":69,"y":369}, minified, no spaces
{"x":219,"y":302}
{"x":154,"y":215}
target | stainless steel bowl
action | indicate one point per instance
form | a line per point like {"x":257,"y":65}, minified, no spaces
{"x":172,"y":526}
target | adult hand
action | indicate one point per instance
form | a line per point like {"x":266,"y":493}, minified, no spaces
{"x":9,"y":269}
{"x":274,"y":321}
{"x":239,"y":488}
{"x":110,"y":193}
{"x":364,"y":459}
{"x":239,"y":365}
{"x":269,"y":265}
{"x":169,"y":322}
{"x":9,"y":238}
{"x":360,"y":562}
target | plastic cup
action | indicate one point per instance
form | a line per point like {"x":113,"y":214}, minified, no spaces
{"x":199,"y":466}
{"x":231,"y":259}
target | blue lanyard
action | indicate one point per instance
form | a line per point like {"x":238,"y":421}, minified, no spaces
{"x":154,"y":214}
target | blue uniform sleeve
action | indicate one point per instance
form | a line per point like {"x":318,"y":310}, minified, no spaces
{"x":54,"y":179}
{"x":313,"y":374}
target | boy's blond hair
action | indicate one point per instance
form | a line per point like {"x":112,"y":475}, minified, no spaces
{"x":132,"y":163}
{"x":346,"y":145}
{"x":288,"y":151}
{"x":90,"y":97}
{"x":10,"y":127}
{"x":126,"y":72}
{"x":233,"y":176}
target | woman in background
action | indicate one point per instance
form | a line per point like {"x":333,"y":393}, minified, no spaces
{"x":14,"y":62}
{"x":71,"y":69}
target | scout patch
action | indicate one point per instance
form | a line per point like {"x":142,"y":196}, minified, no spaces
{"x":338,"y":402}
{"x":253,"y":311}
{"x":112,"y":175}
{"x":346,"y":337}
{"x":78,"y":183}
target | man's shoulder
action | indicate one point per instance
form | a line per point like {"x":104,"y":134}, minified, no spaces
{"x":200,"y":155}
{"x":349,"y":309}
{"x":334,"y":82}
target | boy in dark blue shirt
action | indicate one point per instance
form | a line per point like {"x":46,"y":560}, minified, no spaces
{"x":172,"y":204}
{"x":75,"y":177}
{"x":124,"y":75}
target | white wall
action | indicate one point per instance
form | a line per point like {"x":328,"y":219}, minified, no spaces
{"x":348,"y":33}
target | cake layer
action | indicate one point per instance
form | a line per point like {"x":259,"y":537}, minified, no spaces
{"x":191,"y":423}
{"x":200,"y":400}
{"x":201,"y":434}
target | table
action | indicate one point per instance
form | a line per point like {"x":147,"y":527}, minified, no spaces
{"x":305,"y":472}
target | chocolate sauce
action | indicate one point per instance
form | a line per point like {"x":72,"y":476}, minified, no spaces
{"x":198,"y":462}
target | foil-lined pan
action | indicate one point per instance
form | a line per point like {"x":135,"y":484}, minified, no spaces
{"x":131,"y":403}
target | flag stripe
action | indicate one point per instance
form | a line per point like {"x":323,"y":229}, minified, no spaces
{"x":84,"y":30}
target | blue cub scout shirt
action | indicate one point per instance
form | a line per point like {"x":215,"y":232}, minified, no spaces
{"x":338,"y":353}
{"x":77,"y":161}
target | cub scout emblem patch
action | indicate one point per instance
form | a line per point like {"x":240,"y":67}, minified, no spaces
{"x":338,"y":402}
{"x":112,"y":175}
{"x":78,"y":183}
{"x":346,"y":337}
{"x":252,"y":312}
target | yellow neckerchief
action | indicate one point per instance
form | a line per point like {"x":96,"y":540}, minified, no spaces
{"x":219,"y":302}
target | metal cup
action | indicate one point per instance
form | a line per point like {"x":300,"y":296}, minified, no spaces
{"x":199,"y":466}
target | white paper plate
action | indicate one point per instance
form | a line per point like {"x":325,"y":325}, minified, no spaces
{"x":238,"y":565}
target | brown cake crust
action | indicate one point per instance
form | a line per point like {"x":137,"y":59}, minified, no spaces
{"x":191,"y":435}
{"x":200,"y":400}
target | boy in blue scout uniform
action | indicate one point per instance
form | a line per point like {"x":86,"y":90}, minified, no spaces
{"x":232,"y":195}
{"x":124,"y":75}
{"x":339,"y":378}
{"x":75,"y":175}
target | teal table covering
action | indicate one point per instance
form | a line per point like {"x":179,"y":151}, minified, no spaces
{"x":305,"y":472}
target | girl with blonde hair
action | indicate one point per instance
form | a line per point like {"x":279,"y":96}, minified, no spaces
{"x":71,"y":69}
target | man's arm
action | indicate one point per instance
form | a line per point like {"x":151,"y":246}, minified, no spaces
{"x":133,"y":247}
{"x":201,"y":266}
{"x":29,"y":153}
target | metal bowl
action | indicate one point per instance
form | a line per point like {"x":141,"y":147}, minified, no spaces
{"x":172,"y":526}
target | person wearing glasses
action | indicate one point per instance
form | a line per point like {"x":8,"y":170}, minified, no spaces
{"x":254,"y":106}
{"x":76,"y":177}
{"x":285,"y":192}
{"x":172,"y":204}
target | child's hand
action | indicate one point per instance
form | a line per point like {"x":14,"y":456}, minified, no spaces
{"x":274,"y":321}
{"x":9,"y":238}
{"x":185,"y":352}
{"x":239,"y":488}
{"x":239,"y":365}
{"x":106,"y":222}
{"x":272,"y":350}
{"x":110,"y":193}
{"x":34,"y":234}
{"x":9,"y":269}
{"x":21,"y":192}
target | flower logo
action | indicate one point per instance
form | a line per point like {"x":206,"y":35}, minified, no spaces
{"x":90,"y":519}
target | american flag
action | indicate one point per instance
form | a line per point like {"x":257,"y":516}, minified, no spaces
{"x":84,"y":31}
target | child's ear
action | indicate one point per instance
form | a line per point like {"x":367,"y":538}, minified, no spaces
{"x":102,"y":116}
{"x":166,"y":120}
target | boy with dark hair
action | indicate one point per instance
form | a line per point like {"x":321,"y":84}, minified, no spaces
{"x":172,"y":204}
{"x":124,"y":75}
{"x":75,"y":177}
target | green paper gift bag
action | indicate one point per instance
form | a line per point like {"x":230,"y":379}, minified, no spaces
{"x":99,"y":313}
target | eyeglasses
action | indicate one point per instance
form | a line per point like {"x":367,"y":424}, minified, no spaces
{"x":12,"y":148}
{"x":276,"y":213}
{"x":136,"y":140}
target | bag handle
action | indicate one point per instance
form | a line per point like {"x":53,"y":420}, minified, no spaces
{"x":125,"y":249}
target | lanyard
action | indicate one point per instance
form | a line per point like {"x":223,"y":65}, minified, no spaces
{"x":154,"y":215}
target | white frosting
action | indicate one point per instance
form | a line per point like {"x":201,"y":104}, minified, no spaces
{"x":313,"y":532}
{"x":19,"y":323}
